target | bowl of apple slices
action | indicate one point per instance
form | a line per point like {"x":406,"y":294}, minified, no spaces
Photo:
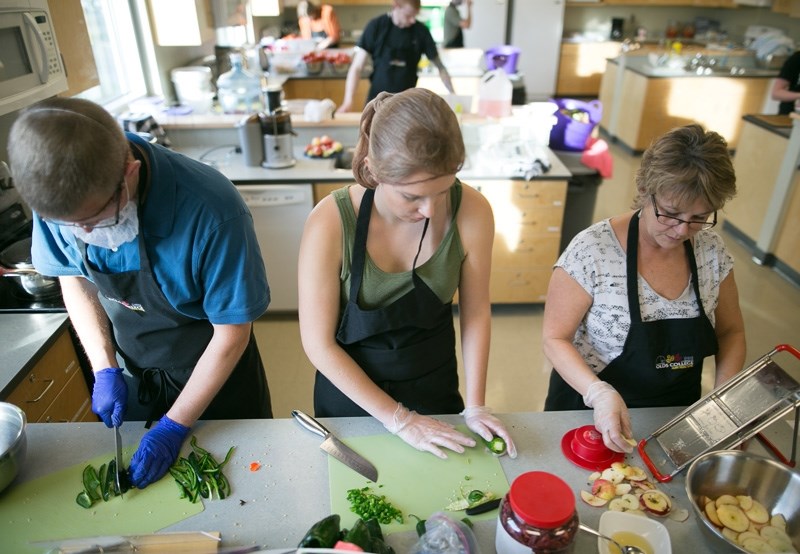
{"x":747,"y":501}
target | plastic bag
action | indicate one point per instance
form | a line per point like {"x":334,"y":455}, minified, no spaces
{"x":444,"y":535}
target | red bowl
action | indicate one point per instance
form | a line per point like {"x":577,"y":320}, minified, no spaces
{"x":585,"y":448}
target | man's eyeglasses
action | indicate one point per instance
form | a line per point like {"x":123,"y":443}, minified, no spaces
{"x":108,"y":222}
{"x":694,"y":224}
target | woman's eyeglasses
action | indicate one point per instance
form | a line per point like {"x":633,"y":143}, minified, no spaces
{"x":108,"y":222}
{"x":670,"y":221}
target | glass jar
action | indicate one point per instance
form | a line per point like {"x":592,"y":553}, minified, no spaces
{"x":537,"y":515}
{"x":238,"y":90}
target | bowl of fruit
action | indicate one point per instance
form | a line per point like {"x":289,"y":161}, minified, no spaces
{"x":747,"y":501}
{"x":323,"y":147}
{"x":340,"y":62}
{"x":314,"y":62}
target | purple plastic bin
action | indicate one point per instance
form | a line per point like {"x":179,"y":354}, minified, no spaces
{"x":502,"y":57}
{"x":570,"y":134}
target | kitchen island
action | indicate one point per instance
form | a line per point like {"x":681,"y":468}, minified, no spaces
{"x":642,"y":101}
{"x":274,"y":506}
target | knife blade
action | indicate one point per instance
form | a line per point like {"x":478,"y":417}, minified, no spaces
{"x":337,"y":448}
{"x":118,"y":459}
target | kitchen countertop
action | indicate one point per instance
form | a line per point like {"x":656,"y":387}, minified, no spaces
{"x":290,"y":492}
{"x":643,"y":66}
{"x":25,"y":338}
{"x":779,"y":124}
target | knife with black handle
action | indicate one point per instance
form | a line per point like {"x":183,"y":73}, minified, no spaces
{"x":337,"y":448}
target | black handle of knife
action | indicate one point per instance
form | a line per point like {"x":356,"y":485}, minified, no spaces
{"x":310,"y":423}
{"x":483,"y":507}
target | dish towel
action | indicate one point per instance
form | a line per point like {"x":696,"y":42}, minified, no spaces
{"x":597,"y":156}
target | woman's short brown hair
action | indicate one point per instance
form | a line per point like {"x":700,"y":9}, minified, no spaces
{"x":405,"y":133}
{"x":685,"y":164}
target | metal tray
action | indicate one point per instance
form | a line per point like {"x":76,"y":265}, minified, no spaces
{"x":727,"y":416}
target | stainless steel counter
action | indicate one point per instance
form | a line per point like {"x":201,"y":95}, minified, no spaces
{"x":290,"y":492}
{"x":25,"y":338}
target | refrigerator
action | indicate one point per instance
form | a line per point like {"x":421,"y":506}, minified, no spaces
{"x":533,"y":26}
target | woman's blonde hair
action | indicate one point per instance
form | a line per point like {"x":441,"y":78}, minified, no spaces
{"x":409,"y":132}
{"x":685,"y":164}
{"x":63,"y":151}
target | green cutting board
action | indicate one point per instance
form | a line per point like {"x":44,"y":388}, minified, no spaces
{"x":415,"y":482}
{"x":45,"y":509}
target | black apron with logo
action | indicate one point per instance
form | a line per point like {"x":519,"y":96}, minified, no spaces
{"x":161,"y":347}
{"x":407,"y":348}
{"x":395,"y":59}
{"x":661,"y":363}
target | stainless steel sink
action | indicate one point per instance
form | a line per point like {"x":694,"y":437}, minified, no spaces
{"x":344,"y":160}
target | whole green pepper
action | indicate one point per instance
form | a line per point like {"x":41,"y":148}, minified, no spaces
{"x":420,"y":526}
{"x":323,"y":534}
{"x":359,"y":535}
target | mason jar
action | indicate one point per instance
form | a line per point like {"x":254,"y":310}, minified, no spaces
{"x":537,"y":515}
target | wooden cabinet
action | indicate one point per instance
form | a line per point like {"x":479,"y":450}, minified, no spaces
{"x":582,"y":65}
{"x":528,"y":217}
{"x":54,"y":390}
{"x":321,"y":190}
{"x":72,"y":36}
{"x":319,"y":89}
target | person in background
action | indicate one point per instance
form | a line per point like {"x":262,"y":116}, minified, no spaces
{"x":319,"y":22}
{"x":637,"y":301}
{"x":158,"y":263}
{"x":454,"y":25}
{"x":396,"y":42}
{"x":786,"y":88}
{"x":379,"y":265}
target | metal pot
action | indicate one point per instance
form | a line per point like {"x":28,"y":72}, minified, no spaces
{"x":18,"y":258}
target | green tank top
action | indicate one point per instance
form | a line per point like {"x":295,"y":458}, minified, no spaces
{"x":441,"y":272}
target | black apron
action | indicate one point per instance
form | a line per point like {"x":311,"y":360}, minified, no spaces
{"x":395,"y":59}
{"x":407,"y":348}
{"x":161,"y":346}
{"x":661,"y":363}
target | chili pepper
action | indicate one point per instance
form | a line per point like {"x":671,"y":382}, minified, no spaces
{"x":475,"y":496}
{"x":359,"y":535}
{"x":323,"y":534}
{"x":483,"y":507}
{"x":255,"y":466}
{"x":420,"y":526}
{"x":467,"y":521}
{"x":496,"y":446}
{"x":83,"y":500}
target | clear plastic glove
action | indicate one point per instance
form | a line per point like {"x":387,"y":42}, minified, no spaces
{"x":158,"y":450}
{"x":610,"y":415}
{"x":426,"y":433}
{"x":110,"y":396}
{"x":480,"y":421}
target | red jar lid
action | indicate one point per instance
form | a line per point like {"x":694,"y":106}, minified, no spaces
{"x":542,"y":499}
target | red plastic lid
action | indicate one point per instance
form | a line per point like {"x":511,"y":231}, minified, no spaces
{"x":542,"y":499}
{"x":584,"y":447}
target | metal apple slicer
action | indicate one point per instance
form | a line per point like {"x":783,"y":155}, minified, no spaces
{"x":729,"y":415}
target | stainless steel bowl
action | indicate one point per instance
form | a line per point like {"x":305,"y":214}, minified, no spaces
{"x":13,"y":442}
{"x":735,"y":472}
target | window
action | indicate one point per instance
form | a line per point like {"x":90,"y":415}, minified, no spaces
{"x":119,"y":51}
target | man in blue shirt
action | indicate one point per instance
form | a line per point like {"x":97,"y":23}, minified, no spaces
{"x":158,"y":263}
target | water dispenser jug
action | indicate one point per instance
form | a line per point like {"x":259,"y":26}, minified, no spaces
{"x":238,"y":90}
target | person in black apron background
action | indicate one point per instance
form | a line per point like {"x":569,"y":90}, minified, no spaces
{"x":318,"y":21}
{"x":454,"y":24}
{"x":379,"y":265}
{"x":636,"y":302}
{"x":159,"y":266}
{"x":396,"y":41}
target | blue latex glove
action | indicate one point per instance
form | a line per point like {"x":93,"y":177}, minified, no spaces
{"x":158,"y":450}
{"x":110,"y":396}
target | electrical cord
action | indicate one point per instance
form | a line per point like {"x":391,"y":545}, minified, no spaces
{"x":214,"y":162}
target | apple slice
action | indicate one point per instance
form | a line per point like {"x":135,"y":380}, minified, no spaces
{"x":604,"y":489}
{"x":745,"y":502}
{"x":756,"y":545}
{"x":617,"y":505}
{"x":594,"y":476}
{"x":732,"y":517}
{"x":611,"y":474}
{"x":630,"y":501}
{"x":726,"y":499}
{"x":593,"y":500}
{"x":731,"y":535}
{"x":679,"y":515}
{"x":746,"y":535}
{"x":778,"y":521}
{"x":656,"y":503}
{"x":757,"y":513}
{"x":711,"y":514}
{"x":622,"y":488}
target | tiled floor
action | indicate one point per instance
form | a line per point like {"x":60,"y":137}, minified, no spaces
{"x":518,"y":371}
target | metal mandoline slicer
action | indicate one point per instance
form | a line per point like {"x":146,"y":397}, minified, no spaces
{"x":729,"y":415}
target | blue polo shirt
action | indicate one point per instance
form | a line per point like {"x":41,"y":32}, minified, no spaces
{"x":199,"y":238}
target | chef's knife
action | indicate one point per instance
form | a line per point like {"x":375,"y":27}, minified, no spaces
{"x":118,"y":459}
{"x":337,"y":448}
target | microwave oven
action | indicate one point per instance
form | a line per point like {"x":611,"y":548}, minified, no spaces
{"x":31,"y":68}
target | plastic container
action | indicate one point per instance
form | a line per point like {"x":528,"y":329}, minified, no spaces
{"x":193,"y":87}
{"x":502,"y":57}
{"x":537,"y":516}
{"x":238,"y":90}
{"x":494,"y":94}
{"x":575,"y":121}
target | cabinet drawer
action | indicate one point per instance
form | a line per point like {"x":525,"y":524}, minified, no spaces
{"x":523,"y":194}
{"x":71,"y":404}
{"x":526,"y":252}
{"x":50,"y":374}
{"x":508,"y":286}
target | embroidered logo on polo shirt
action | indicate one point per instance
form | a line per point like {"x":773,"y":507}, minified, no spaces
{"x":126,"y":304}
{"x":674,"y":362}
